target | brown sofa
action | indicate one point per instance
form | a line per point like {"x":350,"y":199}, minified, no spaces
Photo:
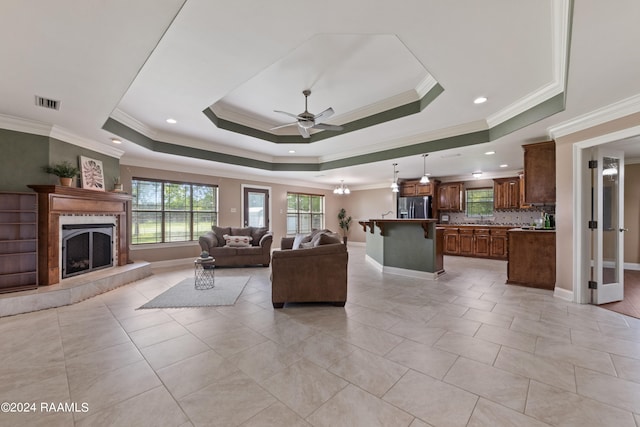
{"x":258,"y":250}
{"x":315,"y":274}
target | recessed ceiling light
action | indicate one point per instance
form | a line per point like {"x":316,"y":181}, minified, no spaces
{"x":477,"y":174}
{"x":172,"y":121}
{"x":480,"y":100}
{"x":116,"y":141}
{"x":488,"y":153}
{"x":504,"y":166}
{"x":292,"y":151}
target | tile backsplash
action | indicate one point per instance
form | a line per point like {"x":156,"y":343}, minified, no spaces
{"x":504,"y":217}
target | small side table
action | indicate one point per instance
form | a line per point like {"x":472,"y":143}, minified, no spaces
{"x":204,"y":268}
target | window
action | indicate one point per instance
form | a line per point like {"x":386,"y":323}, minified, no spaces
{"x":479,"y":202}
{"x":304,"y":212}
{"x":171,"y":211}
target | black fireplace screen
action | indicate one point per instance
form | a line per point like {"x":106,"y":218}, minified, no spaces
{"x":86,"y":247}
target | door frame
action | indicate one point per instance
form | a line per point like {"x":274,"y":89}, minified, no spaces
{"x":257,"y":187}
{"x":582,"y":208}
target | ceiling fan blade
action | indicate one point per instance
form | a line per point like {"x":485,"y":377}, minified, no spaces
{"x":324,"y":115}
{"x":304,"y":132}
{"x":325,"y":126}
{"x":284,"y":126}
{"x":295,"y":116}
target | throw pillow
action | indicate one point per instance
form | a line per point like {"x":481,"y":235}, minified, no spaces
{"x":237,"y":241}
{"x":220,"y":232}
{"x":297,"y":241}
{"x":306,"y":245}
{"x":257,"y":233}
{"x":327,"y":239}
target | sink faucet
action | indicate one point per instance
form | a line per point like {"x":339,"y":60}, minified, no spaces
{"x":386,"y":214}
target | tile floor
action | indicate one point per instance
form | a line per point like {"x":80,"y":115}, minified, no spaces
{"x":631,"y":303}
{"x":465,"y":350}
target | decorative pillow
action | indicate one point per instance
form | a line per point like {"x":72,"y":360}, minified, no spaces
{"x":327,"y":239}
{"x":237,"y":241}
{"x":257,"y":233}
{"x":306,"y":245}
{"x":298,"y":240}
{"x":242,"y":231}
{"x":220,"y":232}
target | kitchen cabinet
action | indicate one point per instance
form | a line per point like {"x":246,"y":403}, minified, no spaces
{"x":498,"y":244}
{"x":476,"y":241}
{"x":506,"y":193}
{"x":412,"y":188}
{"x":451,"y":241}
{"x":450,"y":196}
{"x":466,"y":241}
{"x":540,"y":173}
{"x":532,"y":258}
{"x":481,"y":242}
{"x":18,"y":242}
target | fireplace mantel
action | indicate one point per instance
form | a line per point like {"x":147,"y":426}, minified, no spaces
{"x":54,"y":201}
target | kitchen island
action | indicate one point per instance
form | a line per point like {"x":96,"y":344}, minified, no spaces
{"x":408,"y":247}
{"x":532,"y":258}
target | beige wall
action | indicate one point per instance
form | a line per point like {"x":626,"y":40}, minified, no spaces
{"x":230,"y":207}
{"x":564,"y":216}
{"x":632,"y":213}
{"x":367,"y":204}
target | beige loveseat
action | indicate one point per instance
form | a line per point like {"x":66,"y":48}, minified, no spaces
{"x":242,"y":246}
{"x":317,"y":273}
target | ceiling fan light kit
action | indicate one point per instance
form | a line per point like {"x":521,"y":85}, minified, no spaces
{"x":307,"y":120}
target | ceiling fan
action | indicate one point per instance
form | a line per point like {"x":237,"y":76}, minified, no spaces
{"x":307,"y":120}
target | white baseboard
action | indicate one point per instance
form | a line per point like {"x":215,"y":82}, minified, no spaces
{"x":362,"y":244}
{"x":632,"y":266}
{"x":563,"y":294}
{"x":402,"y":271}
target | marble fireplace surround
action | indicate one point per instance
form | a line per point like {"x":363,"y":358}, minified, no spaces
{"x":57,"y":205}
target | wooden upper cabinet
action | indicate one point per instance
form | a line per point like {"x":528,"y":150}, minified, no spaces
{"x":413,"y":187}
{"x":506,"y":193}
{"x":540,"y":173}
{"x":407,"y":189}
{"x":523,"y":204}
{"x":450,"y":196}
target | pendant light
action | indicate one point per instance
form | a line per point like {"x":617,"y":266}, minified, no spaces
{"x":425,"y":178}
{"x":394,"y":183}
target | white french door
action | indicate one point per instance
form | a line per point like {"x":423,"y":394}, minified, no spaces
{"x":608,"y":234}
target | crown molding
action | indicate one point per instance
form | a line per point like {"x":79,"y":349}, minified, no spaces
{"x":597,"y":117}
{"x":462,"y":129}
{"x":423,"y":87}
{"x":209,"y":146}
{"x":24,"y":125}
{"x":53,"y":131}
{"x":172,"y":166}
{"x":561,"y":31}
{"x":411,"y":95}
{"x":133,"y":123}
{"x":71,"y":138}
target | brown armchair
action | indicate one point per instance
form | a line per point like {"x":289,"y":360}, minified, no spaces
{"x":317,"y":274}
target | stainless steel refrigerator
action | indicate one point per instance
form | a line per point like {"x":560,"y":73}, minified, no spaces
{"x":414,"y":207}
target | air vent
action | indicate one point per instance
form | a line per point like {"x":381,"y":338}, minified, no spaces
{"x":47,"y":103}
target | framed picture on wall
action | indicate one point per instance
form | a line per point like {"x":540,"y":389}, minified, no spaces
{"x":92,"y":174}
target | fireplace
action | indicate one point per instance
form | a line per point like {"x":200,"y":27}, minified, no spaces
{"x":62,"y":206}
{"x":86,"y":247}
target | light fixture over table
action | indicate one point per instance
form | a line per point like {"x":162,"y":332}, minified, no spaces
{"x":342,"y":189}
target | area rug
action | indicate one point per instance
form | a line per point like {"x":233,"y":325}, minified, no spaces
{"x":226,"y":292}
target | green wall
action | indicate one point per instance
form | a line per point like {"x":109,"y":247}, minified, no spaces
{"x":24,"y":155}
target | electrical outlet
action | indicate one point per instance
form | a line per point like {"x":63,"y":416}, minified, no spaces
{"x":234,"y":210}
